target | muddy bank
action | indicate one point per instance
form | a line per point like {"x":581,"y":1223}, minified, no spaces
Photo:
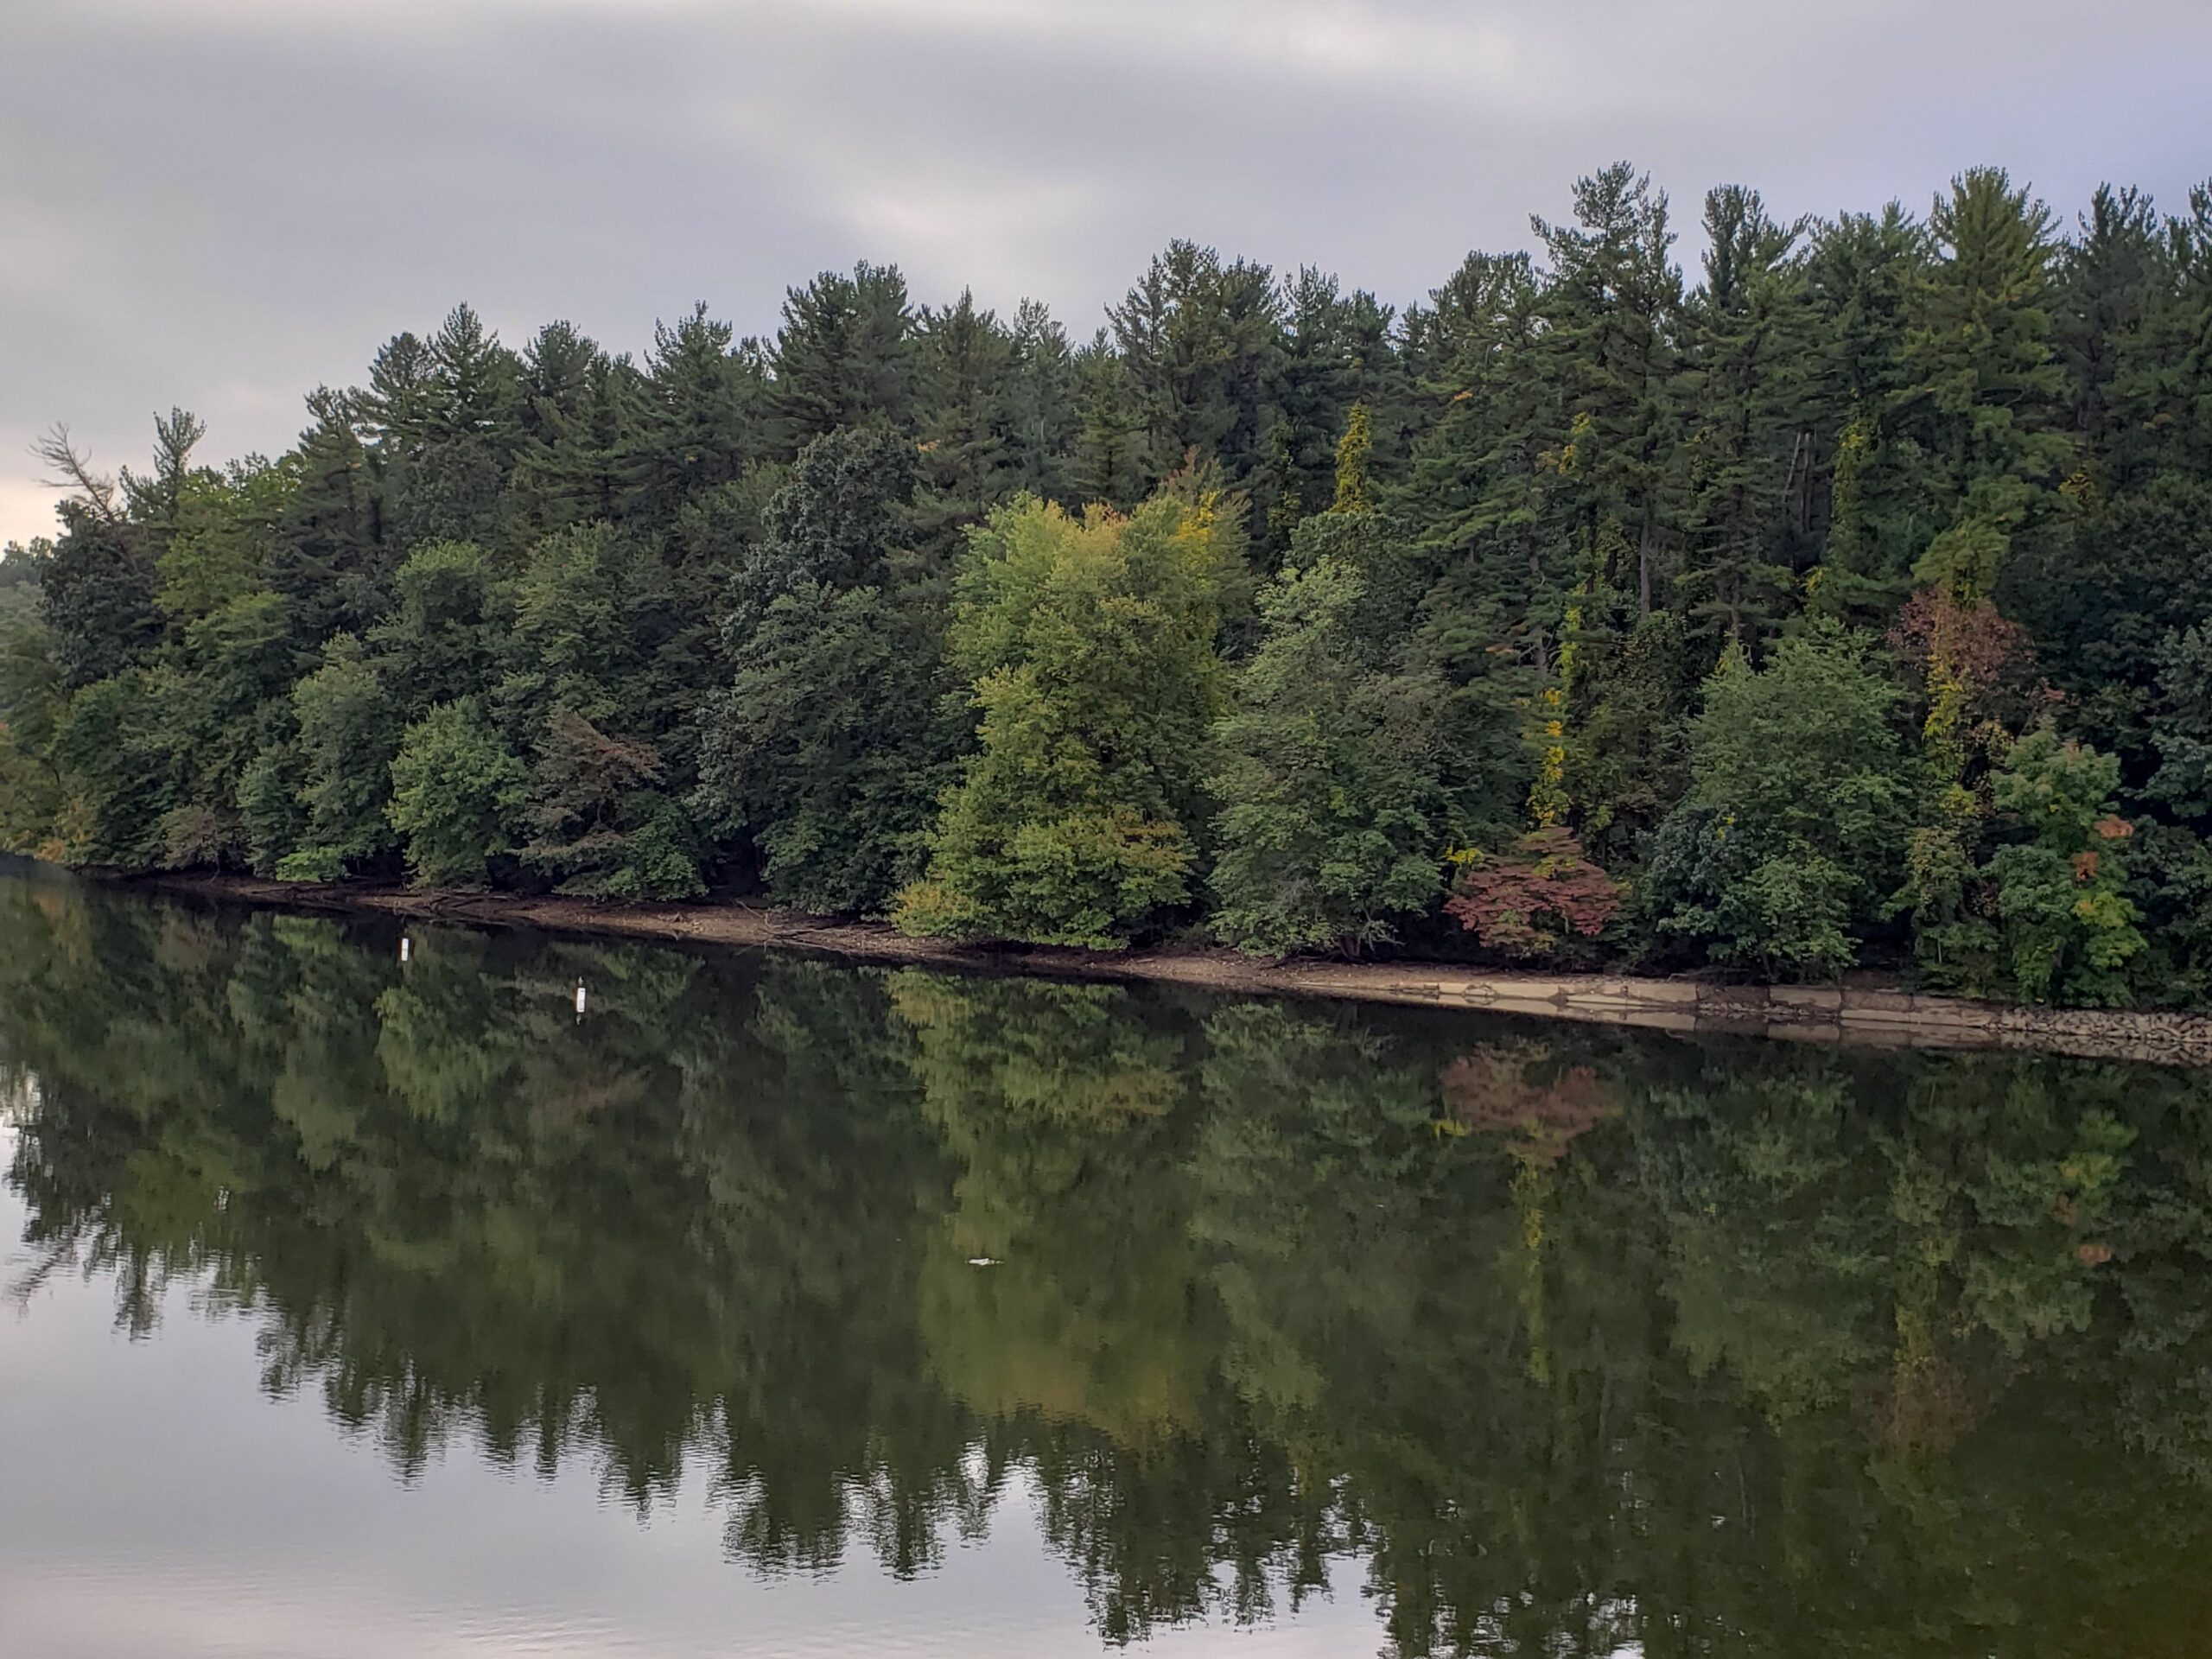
{"x":1795,"y":1013}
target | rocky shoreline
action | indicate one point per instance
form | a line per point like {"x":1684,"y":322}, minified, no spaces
{"x":1795,"y":1012}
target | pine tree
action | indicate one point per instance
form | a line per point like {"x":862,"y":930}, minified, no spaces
{"x":1197,"y":340}
{"x":2107,"y":283}
{"x":1612,"y":307}
{"x":1750,"y":438}
{"x":1861,"y":273}
{"x":578,"y":418}
{"x":330,"y":558}
{"x":1040,"y":406}
{"x":445,"y":411}
{"x":963,"y":361}
{"x":2165,"y":385}
{"x":1324,"y":365}
{"x":1116,"y":462}
{"x":843,"y":356}
{"x":701,"y":416}
{"x":1986,"y":402}
{"x":1482,"y":487}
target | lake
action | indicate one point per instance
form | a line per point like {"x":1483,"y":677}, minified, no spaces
{"x":357,"y":1305}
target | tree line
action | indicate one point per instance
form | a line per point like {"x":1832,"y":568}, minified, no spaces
{"x":1843,"y":599}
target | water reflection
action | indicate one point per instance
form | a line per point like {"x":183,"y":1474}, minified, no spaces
{"x":1574,"y":1342}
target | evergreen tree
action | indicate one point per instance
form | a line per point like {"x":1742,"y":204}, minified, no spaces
{"x":1612,"y":305}
{"x":2107,"y":285}
{"x":1482,"y":488}
{"x":963,"y":368}
{"x":444,"y":413}
{"x":845,"y":355}
{"x":1332,"y":346}
{"x":2164,"y":385}
{"x":1862,"y":272}
{"x":1039,"y":405}
{"x":1750,"y":439}
{"x":1985,"y":405}
{"x":710,"y":614}
{"x":1117,"y":458}
{"x":578,"y":420}
{"x":1197,"y":342}
{"x":331,"y":559}
{"x":701,"y":416}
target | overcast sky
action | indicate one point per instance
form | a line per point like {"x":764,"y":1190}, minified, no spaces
{"x":222,"y":203}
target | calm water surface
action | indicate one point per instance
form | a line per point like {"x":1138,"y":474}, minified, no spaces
{"x":781,"y":1306}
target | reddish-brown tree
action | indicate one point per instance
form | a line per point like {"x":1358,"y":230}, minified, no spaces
{"x":1529,"y":900}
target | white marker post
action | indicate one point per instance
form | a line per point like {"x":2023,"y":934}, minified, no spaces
{"x":580,"y":999}
{"x":406,"y":947}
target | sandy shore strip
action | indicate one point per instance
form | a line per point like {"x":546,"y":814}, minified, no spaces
{"x":1796,"y":1012}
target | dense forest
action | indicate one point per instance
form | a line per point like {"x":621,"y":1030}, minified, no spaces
{"x":1842,"y":600}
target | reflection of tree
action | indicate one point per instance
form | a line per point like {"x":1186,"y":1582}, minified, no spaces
{"x":1721,"y":1349}
{"x":1060,"y":1293}
{"x":1521,"y":1091}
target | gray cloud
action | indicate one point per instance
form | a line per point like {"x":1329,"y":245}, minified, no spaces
{"x":222,"y":202}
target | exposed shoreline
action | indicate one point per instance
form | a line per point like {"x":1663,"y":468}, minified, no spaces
{"x":1799,"y":1013}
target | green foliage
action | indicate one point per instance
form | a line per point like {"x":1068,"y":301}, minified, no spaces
{"x":1354,"y":453}
{"x":1984,"y":406}
{"x":598,"y":822}
{"x":844,"y":354}
{"x":117,"y":772}
{"x":32,"y":705}
{"x":1785,"y":912}
{"x":271,"y":819}
{"x":714,"y":601}
{"x":95,"y":593}
{"x":841,"y":521}
{"x":2181,"y":728}
{"x":225,"y":525}
{"x":348,"y":734}
{"x":437,"y":643}
{"x":1091,"y":645}
{"x":1752,"y":386}
{"x":2170,"y":881}
{"x":2068,"y":924}
{"x":2106,"y":602}
{"x":1326,"y":781}
{"x":1800,"y":798}
{"x":831,"y":747}
{"x":456,"y":791}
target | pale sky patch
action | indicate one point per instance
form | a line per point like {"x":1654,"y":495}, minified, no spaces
{"x":224,"y":203}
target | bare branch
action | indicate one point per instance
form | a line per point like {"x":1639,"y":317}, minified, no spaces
{"x":72,"y":471}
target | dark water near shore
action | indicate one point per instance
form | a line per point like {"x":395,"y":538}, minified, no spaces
{"x":779,"y":1307}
